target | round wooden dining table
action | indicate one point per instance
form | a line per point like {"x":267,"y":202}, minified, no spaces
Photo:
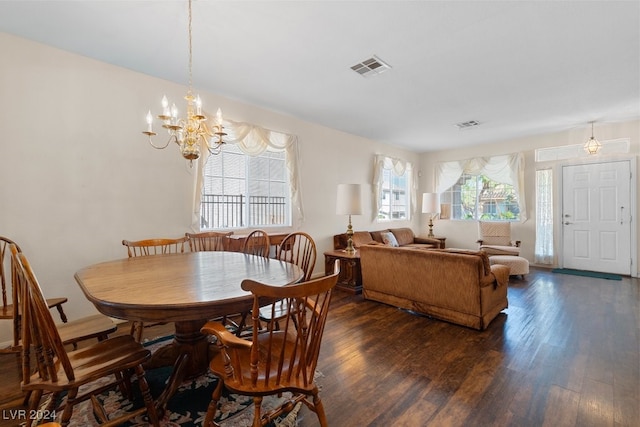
{"x":187,"y":289}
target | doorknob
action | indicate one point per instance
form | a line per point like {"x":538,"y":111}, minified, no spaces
{"x":567,"y":223}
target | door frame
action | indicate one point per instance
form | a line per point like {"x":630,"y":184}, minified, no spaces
{"x":557,"y":229}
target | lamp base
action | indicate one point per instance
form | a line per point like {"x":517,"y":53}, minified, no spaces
{"x":350,"y":249}
{"x":431,"y":228}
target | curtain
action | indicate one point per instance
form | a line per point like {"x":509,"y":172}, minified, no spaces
{"x":254,"y":140}
{"x":506,"y":169}
{"x":399,"y":167}
{"x":544,"y":253}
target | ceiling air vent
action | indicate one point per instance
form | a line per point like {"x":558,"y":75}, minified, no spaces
{"x":370,"y":67}
{"x":467,"y":125}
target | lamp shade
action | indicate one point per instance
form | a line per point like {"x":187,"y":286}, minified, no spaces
{"x":349,"y":200}
{"x":431,"y":203}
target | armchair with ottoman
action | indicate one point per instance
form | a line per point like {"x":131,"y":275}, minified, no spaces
{"x":494,"y":238}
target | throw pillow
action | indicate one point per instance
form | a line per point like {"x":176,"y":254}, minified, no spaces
{"x":389,"y":239}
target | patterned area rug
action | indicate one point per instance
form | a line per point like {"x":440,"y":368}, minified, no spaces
{"x":186,"y":408}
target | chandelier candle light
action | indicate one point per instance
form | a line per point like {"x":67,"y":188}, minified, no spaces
{"x":349,"y":203}
{"x":431,"y":206}
{"x":192,"y":132}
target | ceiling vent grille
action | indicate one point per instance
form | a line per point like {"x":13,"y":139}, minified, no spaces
{"x":371,"y":67}
{"x":467,"y":125}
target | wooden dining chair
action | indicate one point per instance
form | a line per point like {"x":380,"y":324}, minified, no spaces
{"x":58,"y":371}
{"x":154,"y":246}
{"x":297,"y":248}
{"x":96,"y":326}
{"x":208,"y":241}
{"x":257,"y":243}
{"x":150,"y":247}
{"x":9,"y":309}
{"x":278,"y":361}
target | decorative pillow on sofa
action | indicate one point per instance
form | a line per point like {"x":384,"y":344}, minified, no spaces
{"x":404,"y":236}
{"x":389,"y":239}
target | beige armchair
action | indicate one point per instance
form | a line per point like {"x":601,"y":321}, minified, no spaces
{"x":494,"y":237}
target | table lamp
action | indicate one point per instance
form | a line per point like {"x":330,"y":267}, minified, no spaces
{"x":349,"y":203}
{"x":431,"y":206}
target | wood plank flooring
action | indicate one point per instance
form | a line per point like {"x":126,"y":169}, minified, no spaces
{"x":565,"y":353}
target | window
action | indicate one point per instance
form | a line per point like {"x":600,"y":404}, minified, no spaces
{"x":483,"y":188}
{"x":544,"y":253}
{"x":394,"y":189}
{"x":240,"y":190}
{"x":476,"y":197}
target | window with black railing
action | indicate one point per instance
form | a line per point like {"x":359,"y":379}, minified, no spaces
{"x":243,"y":191}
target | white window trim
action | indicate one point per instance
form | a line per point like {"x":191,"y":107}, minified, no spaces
{"x":506,"y":169}
{"x":254,"y":140}
{"x":399,"y":167}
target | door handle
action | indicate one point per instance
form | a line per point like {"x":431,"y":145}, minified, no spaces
{"x":621,"y":211}
{"x":567,"y":223}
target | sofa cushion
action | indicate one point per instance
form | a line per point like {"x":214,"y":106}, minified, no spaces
{"x":389,"y":239}
{"x":404,"y":236}
{"x":361,"y":238}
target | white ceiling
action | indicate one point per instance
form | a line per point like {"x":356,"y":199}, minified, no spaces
{"x":520,"y":68}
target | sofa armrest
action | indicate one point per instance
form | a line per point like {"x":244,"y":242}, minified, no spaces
{"x":499,"y":276}
{"x":427,"y":241}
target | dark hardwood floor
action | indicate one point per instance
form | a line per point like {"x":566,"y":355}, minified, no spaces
{"x":565,"y":353}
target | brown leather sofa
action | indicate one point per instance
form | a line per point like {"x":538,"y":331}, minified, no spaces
{"x":403,"y":236}
{"x":455,"y":285}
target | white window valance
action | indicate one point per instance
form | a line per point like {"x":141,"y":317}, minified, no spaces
{"x":254,"y":140}
{"x":399,"y":168}
{"x":506,"y":169}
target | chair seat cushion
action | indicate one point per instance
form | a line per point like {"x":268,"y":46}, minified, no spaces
{"x":500,"y":250}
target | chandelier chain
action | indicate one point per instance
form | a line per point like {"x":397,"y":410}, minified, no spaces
{"x":190,"y":52}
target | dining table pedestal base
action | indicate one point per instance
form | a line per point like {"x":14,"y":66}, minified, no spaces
{"x":188,"y":353}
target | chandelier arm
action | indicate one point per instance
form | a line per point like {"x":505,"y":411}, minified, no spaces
{"x":172,"y":138}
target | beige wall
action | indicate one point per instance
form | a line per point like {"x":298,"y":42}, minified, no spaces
{"x":463,"y":234}
{"x":77,"y":175}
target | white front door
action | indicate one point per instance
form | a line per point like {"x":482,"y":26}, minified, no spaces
{"x":596,"y":217}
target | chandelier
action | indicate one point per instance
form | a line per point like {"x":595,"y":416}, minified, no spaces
{"x":190,"y":132}
{"x":592,"y":145}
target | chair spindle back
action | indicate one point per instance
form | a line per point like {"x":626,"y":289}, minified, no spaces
{"x":208,"y":241}
{"x":257,"y":243}
{"x":299,"y":248}
{"x":154,"y":246}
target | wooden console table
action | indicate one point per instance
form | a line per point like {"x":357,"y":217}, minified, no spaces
{"x":350,"y":278}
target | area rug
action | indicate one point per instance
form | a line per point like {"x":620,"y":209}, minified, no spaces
{"x":187,"y":407}
{"x":586,"y":273}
